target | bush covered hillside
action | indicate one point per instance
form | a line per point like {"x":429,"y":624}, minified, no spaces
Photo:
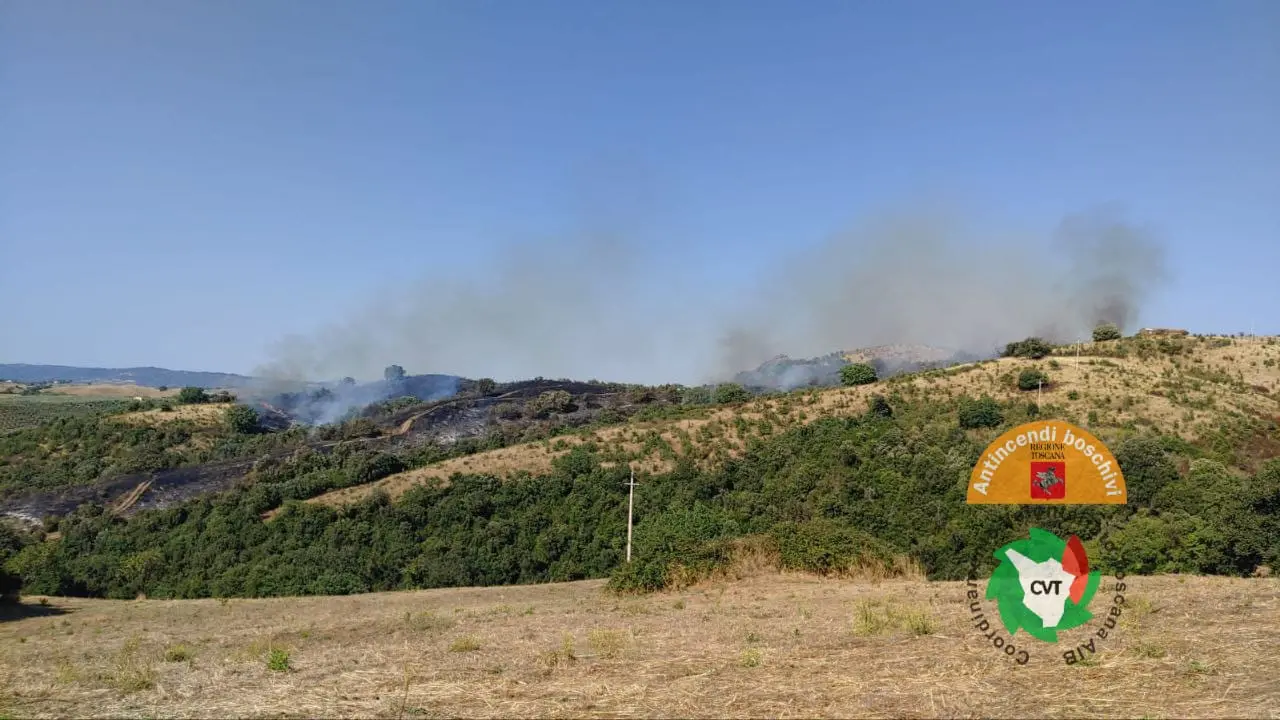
{"x":865,"y":477}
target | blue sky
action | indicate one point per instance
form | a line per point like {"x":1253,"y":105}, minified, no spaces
{"x":182,"y":183}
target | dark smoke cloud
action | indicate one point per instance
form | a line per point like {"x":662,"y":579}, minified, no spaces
{"x":604,"y":306}
{"x":1116,"y":266}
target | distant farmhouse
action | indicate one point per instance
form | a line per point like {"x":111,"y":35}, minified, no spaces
{"x":1162,"y":332}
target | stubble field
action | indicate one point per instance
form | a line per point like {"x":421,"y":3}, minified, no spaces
{"x":767,"y":645}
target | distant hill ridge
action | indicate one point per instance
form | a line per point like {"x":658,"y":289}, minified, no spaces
{"x":144,"y":376}
{"x":787,"y":373}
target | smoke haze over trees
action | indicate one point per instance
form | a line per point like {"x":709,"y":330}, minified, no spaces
{"x":605,"y":306}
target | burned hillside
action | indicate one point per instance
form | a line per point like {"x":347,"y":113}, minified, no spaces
{"x":383,"y":436}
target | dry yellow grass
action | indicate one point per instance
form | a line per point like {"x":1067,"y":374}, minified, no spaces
{"x":118,"y":390}
{"x":765,"y":646}
{"x":1119,"y":389}
{"x":206,"y":414}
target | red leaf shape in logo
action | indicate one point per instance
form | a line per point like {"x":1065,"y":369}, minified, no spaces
{"x":1076,"y":562}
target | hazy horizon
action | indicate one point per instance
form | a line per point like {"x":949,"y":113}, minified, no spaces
{"x":638,"y":192}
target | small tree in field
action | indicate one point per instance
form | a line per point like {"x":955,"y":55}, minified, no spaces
{"x":731,"y":393}
{"x":242,"y":419}
{"x":393,"y":374}
{"x":1031,"y":378}
{"x":192,"y":395}
{"x":1032,"y":347}
{"x":857,"y":374}
{"x":880,"y":407}
{"x":1106,"y":331}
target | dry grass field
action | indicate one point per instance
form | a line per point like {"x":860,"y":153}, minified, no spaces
{"x":204,"y":414}
{"x":765,"y":645}
{"x":122,"y":391}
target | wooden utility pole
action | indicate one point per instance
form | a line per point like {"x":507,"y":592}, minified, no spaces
{"x":631,"y":498}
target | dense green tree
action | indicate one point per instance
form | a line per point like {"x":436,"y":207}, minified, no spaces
{"x":242,"y":419}
{"x":1147,"y":467}
{"x":1031,"y":379}
{"x":1032,"y":347}
{"x":1106,"y":331}
{"x":192,"y":395}
{"x":981,"y":413}
{"x":393,"y":374}
{"x":728,"y":393}
{"x":857,"y":374}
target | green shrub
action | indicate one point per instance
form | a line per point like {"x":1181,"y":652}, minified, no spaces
{"x":378,"y":467}
{"x":180,"y":652}
{"x":242,"y":419}
{"x":1147,"y":468}
{"x":728,"y":393}
{"x":1031,"y":379}
{"x":466,"y":643}
{"x":192,"y":395}
{"x":981,"y":413}
{"x":857,"y":374}
{"x":551,"y":402}
{"x":1032,"y":347}
{"x":642,"y":575}
{"x":827,"y":546}
{"x":1106,"y":331}
{"x":879,"y":407}
{"x":278,"y":660}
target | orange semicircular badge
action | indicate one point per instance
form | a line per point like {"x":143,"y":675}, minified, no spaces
{"x":1048,"y":462}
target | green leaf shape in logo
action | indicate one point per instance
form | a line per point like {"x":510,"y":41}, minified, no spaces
{"x":1042,"y":545}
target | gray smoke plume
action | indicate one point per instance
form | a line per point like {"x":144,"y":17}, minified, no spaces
{"x":930,"y":279}
{"x":606,"y":307}
{"x":591,"y":306}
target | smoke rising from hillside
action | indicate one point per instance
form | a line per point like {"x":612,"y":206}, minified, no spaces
{"x":594,"y":306}
{"x":604,"y":307}
{"x":929,"y":279}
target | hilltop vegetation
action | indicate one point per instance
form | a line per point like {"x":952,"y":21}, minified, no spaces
{"x":870,"y":476}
